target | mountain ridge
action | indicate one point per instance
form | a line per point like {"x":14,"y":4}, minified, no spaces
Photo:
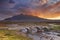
{"x":28,"y":18}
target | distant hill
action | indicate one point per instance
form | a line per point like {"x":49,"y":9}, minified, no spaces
{"x":28,"y":18}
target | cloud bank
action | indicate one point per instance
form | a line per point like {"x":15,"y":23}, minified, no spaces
{"x":40,"y":8}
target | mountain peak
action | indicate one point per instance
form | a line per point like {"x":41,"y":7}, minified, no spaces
{"x":25,"y":18}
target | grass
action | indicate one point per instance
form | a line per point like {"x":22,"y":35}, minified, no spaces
{"x":11,"y":35}
{"x":55,"y":28}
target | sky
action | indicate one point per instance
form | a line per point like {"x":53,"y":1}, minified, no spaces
{"x":49,"y":9}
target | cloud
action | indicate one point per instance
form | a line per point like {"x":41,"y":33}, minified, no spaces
{"x":10,"y":8}
{"x":11,"y":1}
{"x":5,"y":9}
{"x":3,"y":1}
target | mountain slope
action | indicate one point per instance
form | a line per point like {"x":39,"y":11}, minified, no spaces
{"x":25,"y":18}
{"x":28,"y":18}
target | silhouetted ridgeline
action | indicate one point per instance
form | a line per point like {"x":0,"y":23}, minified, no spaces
{"x":28,"y":18}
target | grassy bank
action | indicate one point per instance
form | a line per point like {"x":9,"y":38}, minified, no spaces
{"x":56,"y":28}
{"x":11,"y":35}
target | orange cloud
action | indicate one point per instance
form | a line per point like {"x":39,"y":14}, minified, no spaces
{"x":47,"y":13}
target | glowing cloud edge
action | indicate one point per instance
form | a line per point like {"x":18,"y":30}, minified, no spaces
{"x":56,"y":18}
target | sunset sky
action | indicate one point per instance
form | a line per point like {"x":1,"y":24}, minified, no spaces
{"x":49,"y":9}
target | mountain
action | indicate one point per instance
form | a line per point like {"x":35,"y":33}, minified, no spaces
{"x":24,"y":18}
{"x":28,"y":18}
